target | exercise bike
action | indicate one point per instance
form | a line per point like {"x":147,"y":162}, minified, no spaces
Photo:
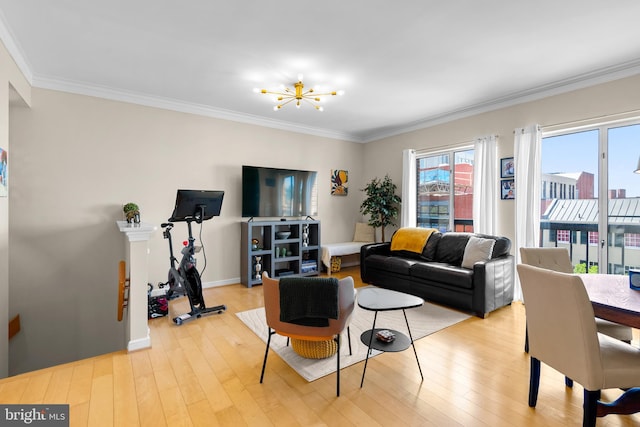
{"x":184,"y":279}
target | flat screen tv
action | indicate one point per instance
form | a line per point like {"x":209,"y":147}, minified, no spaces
{"x":271,"y":192}
{"x":197,"y":205}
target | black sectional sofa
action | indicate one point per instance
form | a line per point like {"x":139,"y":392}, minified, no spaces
{"x":436,"y":273}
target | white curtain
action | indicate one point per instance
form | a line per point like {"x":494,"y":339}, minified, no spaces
{"x":485,"y":190}
{"x":408,"y":218}
{"x":527,"y":158}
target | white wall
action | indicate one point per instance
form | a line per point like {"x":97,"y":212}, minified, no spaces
{"x":77,"y":159}
{"x":13,"y":90}
{"x":621,"y":96}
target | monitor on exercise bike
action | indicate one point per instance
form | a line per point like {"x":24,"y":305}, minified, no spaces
{"x":197,"y":205}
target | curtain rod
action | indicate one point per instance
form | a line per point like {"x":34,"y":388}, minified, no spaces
{"x":523,"y":129}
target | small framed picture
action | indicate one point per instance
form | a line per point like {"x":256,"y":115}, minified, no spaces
{"x":507,"y":189}
{"x":339,"y":182}
{"x":507,"y":168}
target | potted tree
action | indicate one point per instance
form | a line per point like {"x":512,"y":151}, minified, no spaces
{"x":131,"y":212}
{"x":381,"y":203}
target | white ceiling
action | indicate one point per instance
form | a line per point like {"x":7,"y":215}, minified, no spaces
{"x":403,"y":64}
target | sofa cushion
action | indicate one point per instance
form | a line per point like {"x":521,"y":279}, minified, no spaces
{"x":451,"y":247}
{"x":429,"y":251}
{"x":502,"y":246}
{"x":477,"y":249}
{"x":443,"y":273}
{"x":394,"y":264}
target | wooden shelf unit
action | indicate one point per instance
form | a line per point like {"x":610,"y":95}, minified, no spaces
{"x":298,"y":254}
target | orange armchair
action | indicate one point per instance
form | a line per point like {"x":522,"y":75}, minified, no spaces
{"x":346,"y":304}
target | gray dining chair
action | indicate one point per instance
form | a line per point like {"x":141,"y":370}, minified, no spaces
{"x":563,"y":335}
{"x":557,"y":259}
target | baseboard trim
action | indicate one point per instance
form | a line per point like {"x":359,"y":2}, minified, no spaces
{"x":217,"y":283}
{"x":140,"y":343}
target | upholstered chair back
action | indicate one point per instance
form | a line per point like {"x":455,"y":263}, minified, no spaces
{"x":561,"y":323}
{"x":556,"y":259}
{"x":346,"y":304}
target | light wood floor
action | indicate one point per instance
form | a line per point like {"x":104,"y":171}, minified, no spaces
{"x":206,"y":373}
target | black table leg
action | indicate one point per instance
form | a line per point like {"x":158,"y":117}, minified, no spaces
{"x":375,"y":316}
{"x":412,"y":344}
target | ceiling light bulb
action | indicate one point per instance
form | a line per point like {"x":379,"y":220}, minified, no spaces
{"x":276,"y":107}
{"x":340,"y":92}
{"x":320,"y":108}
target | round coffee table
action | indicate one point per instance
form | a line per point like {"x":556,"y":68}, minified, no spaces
{"x":379,"y":299}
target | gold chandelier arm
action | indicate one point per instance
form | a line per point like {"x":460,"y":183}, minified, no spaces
{"x":307,"y":93}
{"x":326,"y":94}
{"x":291,"y":98}
{"x":268,"y":92}
{"x":317,"y":107}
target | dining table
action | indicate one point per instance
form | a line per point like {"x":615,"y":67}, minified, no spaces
{"x":613,"y":299}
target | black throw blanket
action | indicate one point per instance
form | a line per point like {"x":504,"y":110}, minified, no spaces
{"x":308,"y":301}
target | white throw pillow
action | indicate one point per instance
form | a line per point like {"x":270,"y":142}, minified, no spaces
{"x":364,"y":233}
{"x":477,"y":249}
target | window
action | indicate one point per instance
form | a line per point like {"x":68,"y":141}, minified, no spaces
{"x":445,"y":186}
{"x":589,"y":187}
{"x":632,"y":240}
{"x":630,"y":267}
{"x":563,"y":236}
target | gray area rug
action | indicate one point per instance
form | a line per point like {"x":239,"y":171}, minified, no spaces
{"x":423,"y":321}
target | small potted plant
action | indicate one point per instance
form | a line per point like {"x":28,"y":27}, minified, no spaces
{"x":132,"y":212}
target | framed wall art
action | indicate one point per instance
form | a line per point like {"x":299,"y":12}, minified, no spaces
{"x":4,"y":173}
{"x":507,"y":189}
{"x":339,"y":182}
{"x":507,"y":168}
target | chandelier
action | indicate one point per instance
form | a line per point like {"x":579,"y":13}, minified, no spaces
{"x":298,"y":94}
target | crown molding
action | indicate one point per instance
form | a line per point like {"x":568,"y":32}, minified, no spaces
{"x":14,"y":49}
{"x":181,"y":106}
{"x":591,"y":78}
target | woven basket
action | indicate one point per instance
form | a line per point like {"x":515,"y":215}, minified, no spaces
{"x":314,"y":349}
{"x":336,"y":263}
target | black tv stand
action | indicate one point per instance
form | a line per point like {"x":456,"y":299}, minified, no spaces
{"x":267,"y":243}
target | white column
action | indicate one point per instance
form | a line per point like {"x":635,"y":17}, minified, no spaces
{"x":137,"y":249}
